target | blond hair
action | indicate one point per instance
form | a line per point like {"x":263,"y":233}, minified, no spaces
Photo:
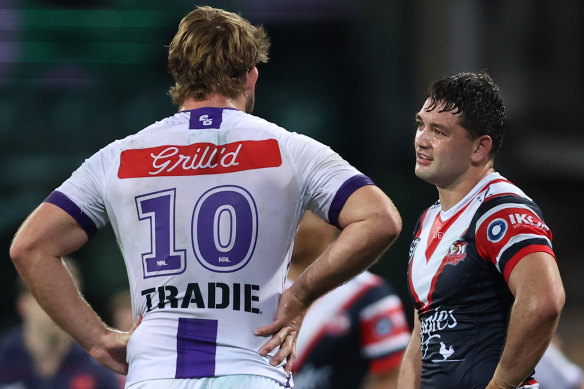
{"x":212,"y":52}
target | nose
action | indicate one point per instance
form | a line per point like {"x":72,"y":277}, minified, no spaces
{"x":421,"y":139}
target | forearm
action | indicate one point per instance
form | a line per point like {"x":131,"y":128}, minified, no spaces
{"x":48,"y":234}
{"x":410,"y":370}
{"x":54,"y":289}
{"x":530,"y":331}
{"x":358,"y":246}
{"x":539,"y":298}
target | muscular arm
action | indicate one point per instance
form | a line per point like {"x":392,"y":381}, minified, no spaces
{"x":539,"y":297}
{"x":48,"y":234}
{"x":370,"y":223}
{"x":410,"y":371}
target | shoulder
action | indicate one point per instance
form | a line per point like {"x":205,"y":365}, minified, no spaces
{"x":509,"y":203}
{"x":431,"y":210}
{"x":242,"y":121}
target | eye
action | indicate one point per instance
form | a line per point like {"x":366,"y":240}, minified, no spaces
{"x":438,"y":132}
{"x":419,"y":125}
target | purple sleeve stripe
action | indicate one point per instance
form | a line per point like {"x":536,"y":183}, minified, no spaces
{"x":67,"y":205}
{"x":346,"y":190}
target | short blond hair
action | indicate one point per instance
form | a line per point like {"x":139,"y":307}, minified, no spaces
{"x":212,"y":52}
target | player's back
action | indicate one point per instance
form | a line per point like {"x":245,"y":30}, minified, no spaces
{"x":205,"y":205}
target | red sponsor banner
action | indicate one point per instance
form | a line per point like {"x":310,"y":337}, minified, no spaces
{"x":199,"y":158}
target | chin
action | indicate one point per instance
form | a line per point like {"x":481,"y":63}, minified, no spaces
{"x":424,"y":175}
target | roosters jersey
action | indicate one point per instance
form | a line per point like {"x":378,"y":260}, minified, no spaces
{"x":205,"y":205}
{"x":356,"y":328}
{"x":460,"y":261}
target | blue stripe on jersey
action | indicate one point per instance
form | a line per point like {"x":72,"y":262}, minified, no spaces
{"x":499,"y":200}
{"x":514,"y":249}
{"x":346,"y":190}
{"x":66,"y":204}
{"x":196,"y":346}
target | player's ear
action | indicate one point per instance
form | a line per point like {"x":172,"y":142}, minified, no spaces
{"x":252,"y":78}
{"x":481,"y":148}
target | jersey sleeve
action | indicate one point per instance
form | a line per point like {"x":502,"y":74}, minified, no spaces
{"x":508,"y":229}
{"x":82,"y":194}
{"x":326,"y":178}
{"x":384,"y":331}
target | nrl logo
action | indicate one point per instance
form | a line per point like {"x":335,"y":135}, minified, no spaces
{"x":456,"y":252}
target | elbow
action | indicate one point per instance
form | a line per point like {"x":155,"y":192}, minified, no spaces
{"x":548,"y":308}
{"x":554,"y":303}
{"x":18,"y":251}
{"x":557,"y":303}
{"x":21,"y":251}
{"x":390,"y":225}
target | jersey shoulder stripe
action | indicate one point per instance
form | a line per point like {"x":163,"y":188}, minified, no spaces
{"x":507,"y":227}
{"x":65,"y":203}
{"x":344,"y":192}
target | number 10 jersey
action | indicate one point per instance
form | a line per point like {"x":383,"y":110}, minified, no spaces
{"x":205,"y":205}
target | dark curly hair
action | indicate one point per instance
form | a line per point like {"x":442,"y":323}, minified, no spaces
{"x":477,"y":99}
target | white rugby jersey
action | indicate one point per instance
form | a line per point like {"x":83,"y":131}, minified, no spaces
{"x":205,"y":205}
{"x":460,"y":261}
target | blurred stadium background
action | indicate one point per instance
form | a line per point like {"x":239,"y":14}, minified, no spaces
{"x":75,"y":75}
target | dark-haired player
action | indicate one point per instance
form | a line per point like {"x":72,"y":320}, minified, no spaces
{"x":482,"y":272}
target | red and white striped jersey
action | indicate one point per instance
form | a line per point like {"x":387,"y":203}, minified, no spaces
{"x":460,"y":261}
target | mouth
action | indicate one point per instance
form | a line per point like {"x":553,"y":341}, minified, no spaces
{"x":423,"y":159}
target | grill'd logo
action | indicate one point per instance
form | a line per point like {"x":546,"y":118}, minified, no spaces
{"x":199,"y":158}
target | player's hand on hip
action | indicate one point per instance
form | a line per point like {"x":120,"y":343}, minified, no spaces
{"x":284,"y":330}
{"x":111,"y":352}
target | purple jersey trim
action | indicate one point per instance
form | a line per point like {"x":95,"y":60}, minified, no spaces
{"x":196,"y":346}
{"x":346,"y":190}
{"x":66,"y":204}
{"x":206,"y":117}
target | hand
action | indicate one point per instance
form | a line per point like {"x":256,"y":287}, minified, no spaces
{"x":111,"y":351}
{"x":284,"y":328}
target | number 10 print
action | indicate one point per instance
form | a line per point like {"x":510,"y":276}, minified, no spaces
{"x":224,"y":230}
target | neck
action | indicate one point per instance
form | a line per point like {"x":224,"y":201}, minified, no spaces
{"x":450,"y":195}
{"x":214,"y":100}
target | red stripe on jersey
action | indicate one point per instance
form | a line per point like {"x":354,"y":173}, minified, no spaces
{"x":422,"y":222}
{"x":433,"y":286}
{"x":199,"y":159}
{"x":369,"y":328}
{"x":411,"y":282}
{"x":418,"y":233}
{"x":498,"y":229}
{"x":535,"y":248}
{"x":439,"y":227}
{"x":381,"y":365}
{"x":530,"y":381}
{"x":430,"y":251}
{"x":300,"y":359}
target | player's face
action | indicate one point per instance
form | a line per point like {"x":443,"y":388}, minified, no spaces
{"x":443,"y":147}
